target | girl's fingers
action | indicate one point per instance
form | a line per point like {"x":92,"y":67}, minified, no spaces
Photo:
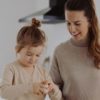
{"x":50,"y":87}
{"x":47,"y":86}
{"x":39,"y":92}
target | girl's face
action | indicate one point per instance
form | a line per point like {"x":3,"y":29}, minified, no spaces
{"x":28,"y":56}
{"x":78,"y":24}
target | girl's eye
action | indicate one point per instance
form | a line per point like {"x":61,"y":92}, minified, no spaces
{"x":77,"y":24}
{"x":38,"y":55}
{"x":28,"y":54}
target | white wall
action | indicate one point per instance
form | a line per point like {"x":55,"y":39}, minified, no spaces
{"x":10,"y":12}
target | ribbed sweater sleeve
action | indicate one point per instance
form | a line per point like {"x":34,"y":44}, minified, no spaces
{"x":55,"y":75}
{"x":10,"y":91}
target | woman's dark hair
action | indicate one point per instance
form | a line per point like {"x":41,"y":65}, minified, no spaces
{"x":88,"y":7}
{"x":30,"y":35}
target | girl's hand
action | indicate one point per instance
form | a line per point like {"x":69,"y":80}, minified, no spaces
{"x":38,"y":89}
{"x":48,"y":87}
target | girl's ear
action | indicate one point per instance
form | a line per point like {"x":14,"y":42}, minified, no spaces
{"x":16,"y":48}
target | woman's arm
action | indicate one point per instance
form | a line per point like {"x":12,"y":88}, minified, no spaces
{"x":56,"y":77}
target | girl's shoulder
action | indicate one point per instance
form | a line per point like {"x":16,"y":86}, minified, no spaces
{"x":11,"y":65}
{"x":40,"y":69}
{"x":44,"y":73}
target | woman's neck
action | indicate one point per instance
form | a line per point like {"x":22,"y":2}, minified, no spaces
{"x":80,"y":43}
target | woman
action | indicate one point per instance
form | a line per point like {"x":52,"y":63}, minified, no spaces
{"x":76,"y":63}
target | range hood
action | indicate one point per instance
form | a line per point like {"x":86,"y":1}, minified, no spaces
{"x":52,"y":15}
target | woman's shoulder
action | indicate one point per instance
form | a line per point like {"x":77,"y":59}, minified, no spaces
{"x":62,"y":46}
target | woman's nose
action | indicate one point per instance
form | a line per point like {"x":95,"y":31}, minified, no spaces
{"x":72,"y":29}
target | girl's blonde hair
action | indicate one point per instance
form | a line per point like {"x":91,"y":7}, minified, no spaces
{"x":30,"y":35}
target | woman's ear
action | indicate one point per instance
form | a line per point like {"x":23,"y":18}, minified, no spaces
{"x":89,"y":24}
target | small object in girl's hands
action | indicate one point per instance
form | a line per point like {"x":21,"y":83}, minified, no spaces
{"x":45,"y":91}
{"x":49,"y":83}
{"x":46,"y":86}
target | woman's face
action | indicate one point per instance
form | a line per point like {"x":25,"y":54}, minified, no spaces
{"x":78,"y":24}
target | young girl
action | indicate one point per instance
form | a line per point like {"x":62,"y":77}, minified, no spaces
{"x":24,"y":79}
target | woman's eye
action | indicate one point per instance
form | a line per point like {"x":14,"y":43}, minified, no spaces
{"x":68,"y":23}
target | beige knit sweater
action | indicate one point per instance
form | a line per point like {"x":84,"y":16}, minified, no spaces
{"x":18,"y":84}
{"x":74,"y":71}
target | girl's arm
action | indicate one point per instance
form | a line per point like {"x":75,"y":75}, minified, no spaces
{"x":53,"y":90}
{"x":10,"y":91}
{"x":55,"y":93}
